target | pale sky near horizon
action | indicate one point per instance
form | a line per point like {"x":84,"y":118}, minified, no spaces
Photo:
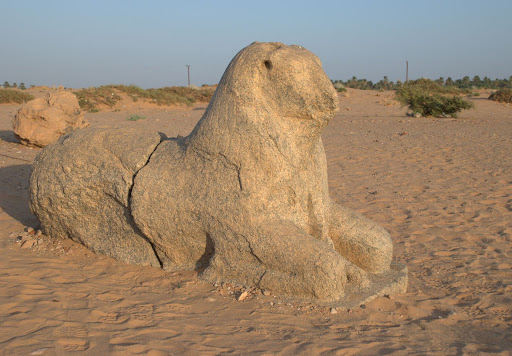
{"x":149,"y":43}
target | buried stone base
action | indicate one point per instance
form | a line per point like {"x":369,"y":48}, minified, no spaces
{"x":391,"y":282}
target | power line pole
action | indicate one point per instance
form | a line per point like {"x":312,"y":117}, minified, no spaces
{"x":406,"y":71}
{"x":188,"y":71}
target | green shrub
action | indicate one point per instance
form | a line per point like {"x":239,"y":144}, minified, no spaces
{"x":434,"y":87}
{"x":502,"y":95}
{"x":167,"y":95}
{"x":89,"y":98}
{"x":135,"y":117}
{"x":107,"y":94}
{"x":14,"y":96}
{"x":339,"y":87}
{"x":180,"y":95}
{"x":427,"y":98}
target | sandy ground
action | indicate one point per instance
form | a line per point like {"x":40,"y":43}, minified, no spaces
{"x":442,"y":187}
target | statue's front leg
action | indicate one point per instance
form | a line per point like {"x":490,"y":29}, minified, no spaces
{"x":285,"y":259}
{"x":360,"y":240}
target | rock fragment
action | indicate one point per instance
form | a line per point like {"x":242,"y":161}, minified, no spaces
{"x":242,"y":296}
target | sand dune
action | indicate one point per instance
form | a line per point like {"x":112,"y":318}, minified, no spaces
{"x":442,"y":187}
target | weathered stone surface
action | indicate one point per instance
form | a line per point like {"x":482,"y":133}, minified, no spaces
{"x":80,"y":189}
{"x":42,"y":121}
{"x":243,"y":199}
{"x":245,"y":195}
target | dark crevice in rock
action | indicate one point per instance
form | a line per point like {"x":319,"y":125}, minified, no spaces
{"x":129,"y":207}
{"x":238,"y":171}
{"x":252,"y":251}
{"x":209,"y":251}
{"x":261,"y":277}
{"x":238,"y":168}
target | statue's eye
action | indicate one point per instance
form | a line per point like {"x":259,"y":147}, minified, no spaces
{"x":268,"y":64}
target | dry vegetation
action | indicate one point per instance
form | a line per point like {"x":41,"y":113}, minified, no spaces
{"x":108,"y":95}
{"x":14,"y":96}
{"x":502,"y":95}
{"x":425,"y":97}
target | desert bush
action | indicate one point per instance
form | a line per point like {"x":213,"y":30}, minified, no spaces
{"x":434,"y":87}
{"x":168,"y":95}
{"x":107,"y":94}
{"x":427,"y":98}
{"x":90,"y":97}
{"x":338,"y":85}
{"x":180,"y":95}
{"x":14,"y":96}
{"x":135,"y":117}
{"x":502,"y":95}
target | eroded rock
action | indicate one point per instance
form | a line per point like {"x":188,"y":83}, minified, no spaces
{"x":44,"y":120}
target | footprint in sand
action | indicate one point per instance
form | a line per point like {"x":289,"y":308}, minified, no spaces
{"x":98,"y":316}
{"x":140,"y":315}
{"x":73,"y":344}
{"x":172,"y":310}
{"x":110,"y":297}
{"x":72,"y":338}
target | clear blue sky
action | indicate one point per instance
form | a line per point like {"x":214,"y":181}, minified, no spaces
{"x":149,"y":43}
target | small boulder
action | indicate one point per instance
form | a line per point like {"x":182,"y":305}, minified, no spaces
{"x":44,"y":120}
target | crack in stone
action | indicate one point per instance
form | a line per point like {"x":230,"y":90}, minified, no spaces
{"x":238,"y":169}
{"x":261,"y":277}
{"x":251,"y":250}
{"x":129,"y":207}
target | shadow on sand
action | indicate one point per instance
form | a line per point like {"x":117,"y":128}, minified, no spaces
{"x":8,"y":136}
{"x":14,"y":194}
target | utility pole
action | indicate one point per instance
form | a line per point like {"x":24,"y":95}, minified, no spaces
{"x":406,"y":71}
{"x":188,"y":71}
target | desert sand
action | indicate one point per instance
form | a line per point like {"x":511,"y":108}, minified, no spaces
{"x":441,"y":186}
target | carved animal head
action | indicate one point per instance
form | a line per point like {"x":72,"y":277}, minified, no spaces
{"x":287,"y":81}
{"x":268,"y":92}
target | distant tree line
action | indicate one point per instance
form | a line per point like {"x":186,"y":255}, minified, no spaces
{"x":464,"y":83}
{"x":386,"y":84}
{"x":15,"y":85}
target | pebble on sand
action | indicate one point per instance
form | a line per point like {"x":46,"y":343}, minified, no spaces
{"x":242,"y":296}
{"x":29,"y":243}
